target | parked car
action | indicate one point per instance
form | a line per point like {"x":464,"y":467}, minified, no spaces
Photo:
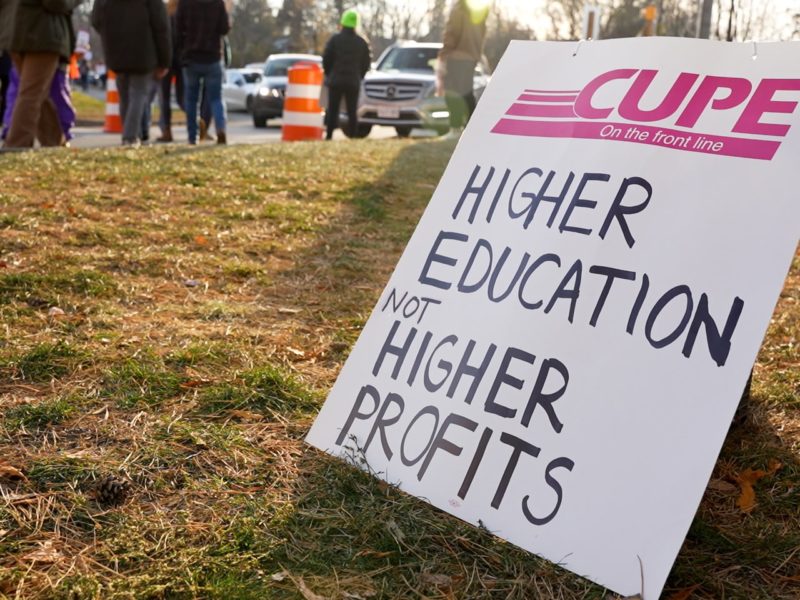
{"x":268,"y":101}
{"x":401,"y":90}
{"x":239,"y":88}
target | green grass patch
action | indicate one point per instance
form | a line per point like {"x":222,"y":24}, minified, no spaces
{"x":48,"y":288}
{"x":266,"y":389}
{"x":39,"y":415}
{"x":88,"y":108}
{"x":143,"y":380}
{"x":47,"y":361}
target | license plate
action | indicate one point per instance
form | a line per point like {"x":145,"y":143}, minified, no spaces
{"x":388,"y":112}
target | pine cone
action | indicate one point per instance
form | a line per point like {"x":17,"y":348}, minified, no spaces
{"x":112,"y":491}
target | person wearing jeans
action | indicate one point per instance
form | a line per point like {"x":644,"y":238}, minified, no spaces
{"x":201,"y":26}
{"x":210,"y":74}
{"x":137,"y":47}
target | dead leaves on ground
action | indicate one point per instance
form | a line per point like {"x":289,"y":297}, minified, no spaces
{"x":746,"y":479}
{"x":10,"y":472}
{"x":743,"y":483}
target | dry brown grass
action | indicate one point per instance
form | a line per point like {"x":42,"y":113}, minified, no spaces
{"x":209,"y":299}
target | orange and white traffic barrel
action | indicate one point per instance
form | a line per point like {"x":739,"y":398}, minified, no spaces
{"x":302,"y":113}
{"x":113,"y":122}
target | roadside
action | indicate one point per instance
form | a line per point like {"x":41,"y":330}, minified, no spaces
{"x":89,"y":133}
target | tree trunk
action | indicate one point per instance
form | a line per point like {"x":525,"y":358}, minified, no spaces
{"x":704,"y":23}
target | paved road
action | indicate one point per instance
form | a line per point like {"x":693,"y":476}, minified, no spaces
{"x":240,"y":131}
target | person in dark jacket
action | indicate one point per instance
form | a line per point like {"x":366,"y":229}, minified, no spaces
{"x":201,"y":26}
{"x":137,"y":47}
{"x":346,"y":60}
{"x":41,"y":37}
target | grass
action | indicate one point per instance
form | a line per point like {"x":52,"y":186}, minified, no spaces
{"x":88,"y":108}
{"x":207,"y":302}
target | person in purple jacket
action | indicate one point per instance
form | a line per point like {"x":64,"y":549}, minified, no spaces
{"x":60,"y":97}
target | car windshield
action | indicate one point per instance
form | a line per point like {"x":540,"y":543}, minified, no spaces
{"x":278,"y":67}
{"x":409,"y":59}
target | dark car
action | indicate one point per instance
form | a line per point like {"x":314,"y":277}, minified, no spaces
{"x":268,"y":100}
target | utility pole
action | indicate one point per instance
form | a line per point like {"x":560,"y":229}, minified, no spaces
{"x":704,"y":18}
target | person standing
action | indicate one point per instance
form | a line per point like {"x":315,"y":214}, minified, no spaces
{"x":41,"y":37}
{"x":7,"y":10}
{"x":175,"y":73}
{"x":461,"y":51}
{"x":201,"y":27}
{"x":346,"y":60}
{"x":135,"y":35}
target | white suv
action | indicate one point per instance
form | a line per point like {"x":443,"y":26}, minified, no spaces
{"x":401,"y":91}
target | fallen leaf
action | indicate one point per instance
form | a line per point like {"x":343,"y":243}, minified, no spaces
{"x":201,"y":240}
{"x":295,"y":351}
{"x":246,"y":415}
{"x":55,"y":312}
{"x":746,"y":479}
{"x":9,"y":472}
{"x":281,"y":576}
{"x":3,"y":532}
{"x":436,"y":579}
{"x":684,"y":594}
{"x":3,"y":264}
{"x":47,"y":553}
{"x":194,"y":383}
{"x":78,"y":454}
{"x":373,"y":554}
{"x":395,"y":530}
{"x":307,"y":593}
{"x":720,"y":485}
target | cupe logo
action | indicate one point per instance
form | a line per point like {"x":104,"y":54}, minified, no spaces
{"x":757,"y":114}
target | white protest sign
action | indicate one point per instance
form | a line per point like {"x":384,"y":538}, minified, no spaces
{"x":564,"y":342}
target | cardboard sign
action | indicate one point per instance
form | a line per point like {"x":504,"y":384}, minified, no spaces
{"x":564,"y":342}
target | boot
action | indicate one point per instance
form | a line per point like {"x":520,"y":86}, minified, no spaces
{"x":204,"y":135}
{"x":166,"y":135}
{"x":221,"y":139}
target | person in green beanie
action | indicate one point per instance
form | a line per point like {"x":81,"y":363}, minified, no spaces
{"x":346,"y":60}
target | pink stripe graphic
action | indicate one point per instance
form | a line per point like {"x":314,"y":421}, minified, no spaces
{"x":548,"y":98}
{"x":552,"y":91}
{"x":642,"y":134}
{"x":542,"y":110}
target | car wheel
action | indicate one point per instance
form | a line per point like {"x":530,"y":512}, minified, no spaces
{"x":362,"y":131}
{"x":248,"y":104}
{"x":403,"y":131}
{"x":259,"y":121}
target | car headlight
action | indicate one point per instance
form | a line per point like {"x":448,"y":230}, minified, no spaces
{"x":263,"y":91}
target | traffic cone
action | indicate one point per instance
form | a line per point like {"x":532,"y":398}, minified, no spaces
{"x":113,"y":122}
{"x":302,"y":114}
